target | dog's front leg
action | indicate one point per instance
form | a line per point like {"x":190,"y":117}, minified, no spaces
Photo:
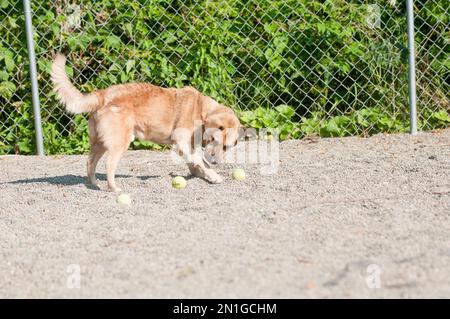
{"x":196,"y":165}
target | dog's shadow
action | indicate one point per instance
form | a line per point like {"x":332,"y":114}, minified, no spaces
{"x":72,"y":180}
{"x":186,"y":177}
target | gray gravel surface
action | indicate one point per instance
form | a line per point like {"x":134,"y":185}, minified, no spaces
{"x":340,"y":217}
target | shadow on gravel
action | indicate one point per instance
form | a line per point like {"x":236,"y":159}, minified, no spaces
{"x":71,"y":180}
{"x":188,"y":177}
{"x":185,"y":176}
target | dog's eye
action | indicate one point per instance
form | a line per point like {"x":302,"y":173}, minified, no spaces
{"x":221,"y":128}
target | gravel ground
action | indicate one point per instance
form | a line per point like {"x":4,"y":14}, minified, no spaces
{"x":340,"y":217}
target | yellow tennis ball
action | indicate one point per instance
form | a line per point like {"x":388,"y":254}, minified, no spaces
{"x":238,"y":174}
{"x":179,"y":182}
{"x":124,"y":199}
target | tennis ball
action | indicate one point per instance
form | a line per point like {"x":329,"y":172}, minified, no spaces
{"x":238,"y":174}
{"x":124,"y":199}
{"x":179,"y":182}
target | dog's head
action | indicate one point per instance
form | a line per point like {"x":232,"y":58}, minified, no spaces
{"x":222,"y":130}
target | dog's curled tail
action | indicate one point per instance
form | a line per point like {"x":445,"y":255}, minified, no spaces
{"x":75,"y":101}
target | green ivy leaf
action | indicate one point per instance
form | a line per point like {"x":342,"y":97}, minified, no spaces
{"x":442,"y":116}
{"x":129,"y":65}
{"x":9,"y":63}
{"x":286,"y":110}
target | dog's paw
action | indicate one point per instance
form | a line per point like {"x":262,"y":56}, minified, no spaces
{"x":93,"y":182}
{"x":114,"y":189}
{"x":214,"y":178}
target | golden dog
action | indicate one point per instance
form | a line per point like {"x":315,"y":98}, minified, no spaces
{"x":120,"y":113}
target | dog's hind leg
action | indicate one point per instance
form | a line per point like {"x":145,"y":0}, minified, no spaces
{"x":97,"y":151}
{"x":116,"y":133}
{"x":112,"y":160}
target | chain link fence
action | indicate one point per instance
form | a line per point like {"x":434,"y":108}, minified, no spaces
{"x":327,"y":68}
{"x":432,"y":23}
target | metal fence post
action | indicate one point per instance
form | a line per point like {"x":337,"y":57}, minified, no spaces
{"x":33,"y":76}
{"x":412,"y":68}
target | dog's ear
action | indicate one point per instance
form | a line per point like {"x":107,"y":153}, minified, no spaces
{"x":212,"y":120}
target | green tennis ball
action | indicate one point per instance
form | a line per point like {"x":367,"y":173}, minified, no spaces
{"x":179,"y":182}
{"x":238,"y":174}
{"x":124,"y":199}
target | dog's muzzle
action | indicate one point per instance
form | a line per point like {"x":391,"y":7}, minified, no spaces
{"x":208,"y":159}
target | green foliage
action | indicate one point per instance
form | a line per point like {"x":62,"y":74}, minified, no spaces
{"x":278,"y":118}
{"x":302,"y":67}
{"x":142,"y":145}
{"x":364,"y":122}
